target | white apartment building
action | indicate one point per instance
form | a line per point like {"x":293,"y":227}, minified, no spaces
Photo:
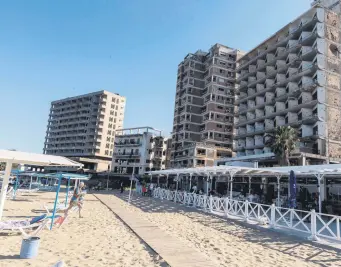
{"x":83,"y":128}
{"x":293,"y":78}
{"x":139,"y":150}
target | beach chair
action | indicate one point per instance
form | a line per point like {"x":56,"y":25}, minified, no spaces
{"x":9,"y":192}
{"x":39,"y":223}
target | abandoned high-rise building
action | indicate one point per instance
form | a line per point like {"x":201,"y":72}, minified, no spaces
{"x":83,"y":128}
{"x":204,"y":107}
{"x":293,"y":78}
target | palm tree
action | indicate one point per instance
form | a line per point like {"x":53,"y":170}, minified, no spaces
{"x":282,"y":143}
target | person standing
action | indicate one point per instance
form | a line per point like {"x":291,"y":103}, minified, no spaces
{"x":121,"y":187}
{"x":77,"y":199}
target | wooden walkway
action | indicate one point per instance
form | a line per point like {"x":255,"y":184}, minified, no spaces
{"x":172,"y":250}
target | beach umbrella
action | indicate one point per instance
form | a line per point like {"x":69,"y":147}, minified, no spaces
{"x":293,"y":186}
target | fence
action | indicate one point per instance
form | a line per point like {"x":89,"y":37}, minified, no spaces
{"x":308,"y":222}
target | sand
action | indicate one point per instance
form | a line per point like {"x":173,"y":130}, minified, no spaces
{"x":101,"y":239}
{"x":98,"y":239}
{"x":231,"y":243}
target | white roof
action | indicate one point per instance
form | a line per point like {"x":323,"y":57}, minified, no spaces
{"x":36,"y":159}
{"x":218,"y":170}
{"x":329,"y":169}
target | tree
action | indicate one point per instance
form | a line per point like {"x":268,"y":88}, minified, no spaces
{"x":282,"y":143}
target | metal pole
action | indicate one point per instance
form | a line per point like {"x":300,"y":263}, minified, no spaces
{"x":319,"y":191}
{"x":177,"y":182}
{"x":208,"y":178}
{"x":231,"y":185}
{"x":30,"y":183}
{"x":249,"y":184}
{"x":131,"y":184}
{"x":190,"y":181}
{"x":5,"y":182}
{"x":67,"y":191}
{"x":167,"y":181}
{"x":278,"y":191}
{"x":16,"y":186}
{"x":158,"y":180}
{"x":56,"y":200}
{"x":108,"y":180}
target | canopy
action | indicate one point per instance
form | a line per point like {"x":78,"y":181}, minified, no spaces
{"x":36,"y":159}
{"x":217,"y":170}
{"x":18,"y":157}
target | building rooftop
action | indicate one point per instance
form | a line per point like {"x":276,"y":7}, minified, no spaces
{"x":87,"y":95}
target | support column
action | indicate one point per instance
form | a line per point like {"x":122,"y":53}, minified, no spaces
{"x":167,"y":181}
{"x":208,"y":178}
{"x":30,"y":187}
{"x":278,"y":191}
{"x":5,"y":182}
{"x":190,"y":181}
{"x":249,"y":184}
{"x":231,"y":184}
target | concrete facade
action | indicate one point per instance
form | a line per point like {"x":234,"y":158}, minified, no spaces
{"x":139,"y":150}
{"x":204,"y":106}
{"x":293,"y":78}
{"x":83,"y":128}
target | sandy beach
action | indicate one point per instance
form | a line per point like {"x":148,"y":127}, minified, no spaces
{"x":101,"y":239}
{"x":98,"y":239}
{"x":231,"y":243}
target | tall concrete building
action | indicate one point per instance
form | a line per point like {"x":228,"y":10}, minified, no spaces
{"x":139,"y":150}
{"x":293,"y":78}
{"x":83,"y":128}
{"x":204,"y":107}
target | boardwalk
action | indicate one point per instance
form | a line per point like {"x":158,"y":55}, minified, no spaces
{"x":172,"y":250}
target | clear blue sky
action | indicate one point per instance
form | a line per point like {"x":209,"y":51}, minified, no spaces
{"x":56,"y":49}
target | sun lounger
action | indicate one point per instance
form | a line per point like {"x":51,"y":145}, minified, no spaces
{"x":38,"y":222}
{"x":27,"y":191}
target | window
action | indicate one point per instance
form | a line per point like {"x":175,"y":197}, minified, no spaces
{"x":106,"y":152}
{"x":110,"y":125}
{"x":148,"y":161}
{"x":112,"y":106}
{"x":115,"y":113}
{"x":110,"y":154}
{"x":221,"y":89}
{"x":108,"y":139}
{"x":113,"y":99}
{"x":220,"y":107}
{"x":219,"y":126}
{"x":111,"y":112}
{"x":111,"y":119}
{"x":107,"y":145}
{"x":109,"y":132}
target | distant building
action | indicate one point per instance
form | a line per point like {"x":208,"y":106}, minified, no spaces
{"x":139,"y":150}
{"x":204,"y":107}
{"x":168,"y":152}
{"x":83,"y":128}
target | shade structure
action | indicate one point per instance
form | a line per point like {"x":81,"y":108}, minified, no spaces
{"x":68,"y":176}
{"x":36,"y":159}
{"x":10,"y":157}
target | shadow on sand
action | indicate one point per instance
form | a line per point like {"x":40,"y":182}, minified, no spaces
{"x":282,"y":242}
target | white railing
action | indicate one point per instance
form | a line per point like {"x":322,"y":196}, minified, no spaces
{"x":308,"y":222}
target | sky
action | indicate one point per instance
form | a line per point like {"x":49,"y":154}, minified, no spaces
{"x":56,"y":49}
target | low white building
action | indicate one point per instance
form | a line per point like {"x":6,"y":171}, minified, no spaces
{"x":139,"y":150}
